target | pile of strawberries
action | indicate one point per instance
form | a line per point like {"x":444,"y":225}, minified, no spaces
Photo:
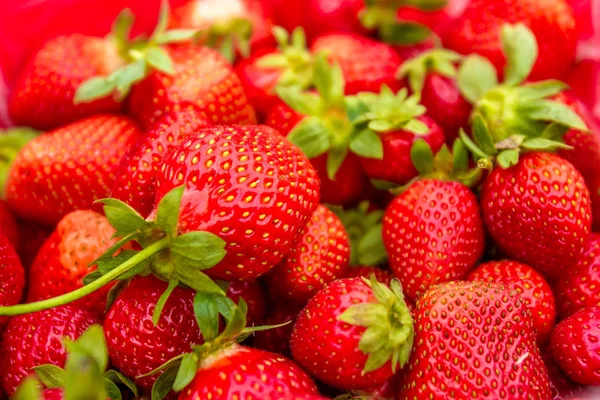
{"x":285,"y":200}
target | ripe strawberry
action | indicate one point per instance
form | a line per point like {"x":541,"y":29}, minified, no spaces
{"x":69,"y":168}
{"x":367,"y":64}
{"x":348,"y":348}
{"x":277,"y":340}
{"x":433,"y":233}
{"x":202,"y":81}
{"x":319,"y":257}
{"x":12,"y":276}
{"x":253,"y":294}
{"x":36,"y":235}
{"x":8,"y":225}
{"x":382,"y":275}
{"x":538,"y":212}
{"x":43,"y":95}
{"x":34,"y":339}
{"x":129,"y":328}
{"x":474,"y":340}
{"x":562,"y":386}
{"x":247,"y":185}
{"x":575,"y":345}
{"x":245,"y":373}
{"x":530,"y":285}
{"x":136,"y":176}
{"x":579,"y":286}
{"x":552,"y":22}
{"x":79,"y":239}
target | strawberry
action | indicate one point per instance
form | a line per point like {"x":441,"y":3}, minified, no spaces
{"x":561,"y":384}
{"x":319,"y":257}
{"x":69,"y":168}
{"x":358,"y":333}
{"x":474,"y":340}
{"x":575,"y":343}
{"x":43,"y":95}
{"x":579,"y":286}
{"x":253,"y":294}
{"x":530,"y":285}
{"x":8,"y":225}
{"x":34,"y":339}
{"x":551,"y":21}
{"x":65,"y":259}
{"x":36,"y":237}
{"x":202,"y":80}
{"x":129,"y":327}
{"x":238,"y":372}
{"x":247,"y":185}
{"x":367,"y":64}
{"x":383,"y":275}
{"x":433,"y":233}
{"x":538,"y":212}
{"x":12,"y":276}
{"x":277,"y":340}
{"x":137,"y":172}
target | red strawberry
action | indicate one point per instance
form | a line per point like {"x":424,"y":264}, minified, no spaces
{"x":367,"y":64}
{"x":9,"y":225}
{"x":561,"y":384}
{"x":579,"y":286}
{"x":34,"y":339}
{"x":253,"y":294}
{"x":319,"y":257}
{"x":69,"y":168}
{"x":552,"y":22}
{"x":530,"y":285}
{"x":129,"y":328}
{"x":474,"y":340}
{"x":202,"y":81}
{"x":249,"y":186}
{"x":277,"y":340}
{"x":79,"y":239}
{"x":136,"y":176}
{"x":43,"y":96}
{"x":382,"y":275}
{"x":36,"y":237}
{"x":12,"y":276}
{"x":238,"y":372}
{"x":576,"y":346}
{"x":357,"y":333}
{"x":538,"y":212}
{"x":54,"y":394}
{"x":433,"y":233}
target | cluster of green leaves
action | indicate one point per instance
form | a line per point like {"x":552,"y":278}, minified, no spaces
{"x":228,"y":36}
{"x":383,"y":16}
{"x":11,"y":142}
{"x":84,"y":377}
{"x":389,"y":323}
{"x":416,"y":69}
{"x":513,"y":116}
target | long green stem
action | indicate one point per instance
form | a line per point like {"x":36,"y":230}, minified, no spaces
{"x":87,"y":289}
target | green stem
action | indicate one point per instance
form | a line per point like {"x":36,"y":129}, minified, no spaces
{"x":87,"y":289}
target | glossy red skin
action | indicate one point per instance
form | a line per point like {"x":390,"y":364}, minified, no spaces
{"x":63,"y":261}
{"x":552,"y":225}
{"x":34,"y":339}
{"x":579,"y":286}
{"x":53,"y":394}
{"x":396,"y":165}
{"x":240,"y":372}
{"x":562,"y":386}
{"x":42,"y":97}
{"x":249,"y":186}
{"x":585,"y":155}
{"x":135,"y":345}
{"x":551,"y":21}
{"x":253,"y":294}
{"x":382,"y":275}
{"x":277,"y":340}
{"x":367,"y":64}
{"x":433,"y":233}
{"x":138,"y":169}
{"x":474,"y":340}
{"x":328,"y":348}
{"x":350,"y":181}
{"x":203,"y":81}
{"x":444,"y":102}
{"x":259,"y":83}
{"x":9,"y":226}
{"x":322,"y":255}
{"x":386,"y":391}
{"x":575,"y":344}
{"x":12,"y":276}
{"x":282,"y":118}
{"x":69,"y":168}
{"x":531,"y":286}
{"x":193,"y":16}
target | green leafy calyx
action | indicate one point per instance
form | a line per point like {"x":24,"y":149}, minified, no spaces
{"x":440,"y":61}
{"x":11,"y":142}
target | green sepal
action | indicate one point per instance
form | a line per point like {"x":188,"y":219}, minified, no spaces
{"x":472,"y":146}
{"x":11,"y":142}
{"x":482,"y":136}
{"x":539,"y":90}
{"x":122,"y":217}
{"x":196,"y":280}
{"x":440,"y":61}
{"x":404,"y":33}
{"x":422,"y":157}
{"x":198,"y":250}
{"x":162,"y":300}
{"x":367,"y":144}
{"x":51,"y":375}
{"x":335,"y":158}
{"x":329,"y":81}
{"x":305,"y":103}
{"x":227,"y":36}
{"x":29,"y":389}
{"x":207,"y":309}
{"x":114,"y":292}
{"x":167,"y":213}
{"x":159,"y":59}
{"x":176,"y":36}
{"x":555,"y":131}
{"x":164,"y":383}
{"x":508,"y":158}
{"x":552,"y":111}
{"x":119,"y":379}
{"x":371,"y":250}
{"x":111,"y":389}
{"x":311,"y":136}
{"x":187,"y":371}
{"x":543,"y":144}
{"x":476,"y":76}
{"x":521,"y":51}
